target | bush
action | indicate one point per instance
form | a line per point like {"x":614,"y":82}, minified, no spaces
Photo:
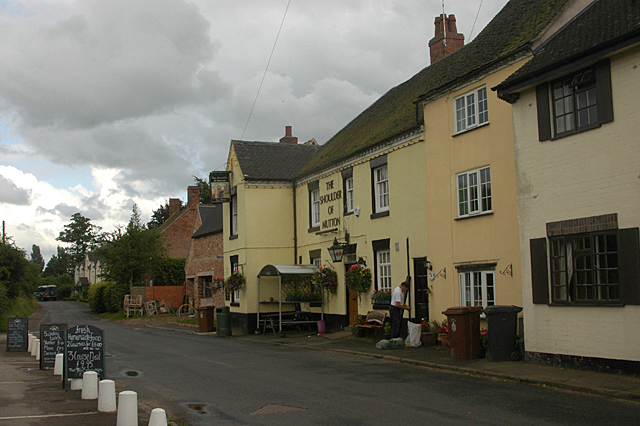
{"x":21,"y":306}
{"x":168,"y":271}
{"x":114,"y":297}
{"x":96,"y":297}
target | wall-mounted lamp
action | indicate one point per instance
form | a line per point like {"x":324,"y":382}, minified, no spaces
{"x":336,"y":251}
{"x":362,"y":262}
{"x":428,"y":266}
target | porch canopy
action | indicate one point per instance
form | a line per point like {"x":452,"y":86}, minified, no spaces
{"x":272,"y":270}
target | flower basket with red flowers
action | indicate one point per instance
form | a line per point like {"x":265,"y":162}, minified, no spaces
{"x":358,"y":278}
{"x":217,"y":283}
{"x":235,"y":281}
{"x":381,"y":297}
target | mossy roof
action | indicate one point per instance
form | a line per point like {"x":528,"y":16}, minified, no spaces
{"x":604,"y":26}
{"x":396,"y":113}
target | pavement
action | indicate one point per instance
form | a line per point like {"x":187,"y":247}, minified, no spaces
{"x":29,"y":396}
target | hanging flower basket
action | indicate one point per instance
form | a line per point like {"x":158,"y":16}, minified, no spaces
{"x":358,"y":278}
{"x":326,"y":279}
{"x":235,"y":281}
{"x":217,"y":283}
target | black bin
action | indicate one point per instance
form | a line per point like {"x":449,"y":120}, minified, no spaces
{"x":223,"y":319}
{"x":502,"y":326}
{"x":205,"y":318}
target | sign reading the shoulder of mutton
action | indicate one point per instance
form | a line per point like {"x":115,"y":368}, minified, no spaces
{"x":220,"y":183}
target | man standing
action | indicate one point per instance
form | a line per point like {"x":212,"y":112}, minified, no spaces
{"x":396,"y":308}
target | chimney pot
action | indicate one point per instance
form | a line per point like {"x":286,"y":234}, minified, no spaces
{"x":288,"y":136}
{"x":445,"y":42}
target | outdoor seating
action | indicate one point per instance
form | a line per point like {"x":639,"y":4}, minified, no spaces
{"x":374,"y":321}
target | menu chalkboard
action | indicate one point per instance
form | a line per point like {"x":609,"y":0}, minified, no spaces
{"x":52,"y":338}
{"x":85,"y":351}
{"x":17,"y":333}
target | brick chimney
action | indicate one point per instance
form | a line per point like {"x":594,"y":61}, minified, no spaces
{"x":174,"y":206}
{"x":288,"y":138}
{"x":447,"y":39}
{"x":193,"y":192}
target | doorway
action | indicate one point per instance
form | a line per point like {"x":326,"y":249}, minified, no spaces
{"x":352,"y":301}
{"x":421,"y":288}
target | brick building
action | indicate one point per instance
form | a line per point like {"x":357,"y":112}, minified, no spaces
{"x":178,"y":228}
{"x":204,"y":261}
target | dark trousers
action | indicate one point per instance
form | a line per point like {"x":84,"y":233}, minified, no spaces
{"x":396,"y":321}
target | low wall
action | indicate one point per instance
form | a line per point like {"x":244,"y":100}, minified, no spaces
{"x":172,"y":294}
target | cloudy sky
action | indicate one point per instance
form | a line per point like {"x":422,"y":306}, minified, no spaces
{"x":107,"y":103}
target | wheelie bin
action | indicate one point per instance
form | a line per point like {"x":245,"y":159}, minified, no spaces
{"x":205,"y":318}
{"x":502,"y":326}
{"x":464,"y":331}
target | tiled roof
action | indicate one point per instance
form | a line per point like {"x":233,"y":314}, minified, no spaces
{"x":395,"y":114}
{"x":272,"y":161}
{"x":212,"y":223}
{"x":604,"y":25}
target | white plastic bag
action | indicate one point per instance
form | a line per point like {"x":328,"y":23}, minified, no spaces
{"x":413,"y":339}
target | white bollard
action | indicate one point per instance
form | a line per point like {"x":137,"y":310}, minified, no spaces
{"x":34,"y":346}
{"x":106,"y":396}
{"x":38,"y":351}
{"x":76,"y":384}
{"x":127,"y":409}
{"x":57,"y":367}
{"x":89,"y":385}
{"x":31,"y":337}
{"x":158,"y":417}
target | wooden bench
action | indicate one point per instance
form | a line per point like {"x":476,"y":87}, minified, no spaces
{"x":374,"y":321}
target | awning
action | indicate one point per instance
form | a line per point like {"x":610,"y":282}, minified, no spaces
{"x":275,"y":270}
{"x":272,"y":270}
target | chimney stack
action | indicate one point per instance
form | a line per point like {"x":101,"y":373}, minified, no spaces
{"x":447,"y":39}
{"x":288,"y":138}
{"x":174,"y":206}
{"x":193,"y":192}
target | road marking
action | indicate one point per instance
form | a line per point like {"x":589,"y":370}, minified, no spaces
{"x":44,"y":416}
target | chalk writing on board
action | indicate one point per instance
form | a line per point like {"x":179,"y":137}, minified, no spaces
{"x":85,"y":351}
{"x":51,"y":343}
{"x":17,"y":333}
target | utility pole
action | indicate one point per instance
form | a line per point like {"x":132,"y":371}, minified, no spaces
{"x":3,"y":234}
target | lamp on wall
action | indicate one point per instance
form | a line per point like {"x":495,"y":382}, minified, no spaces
{"x":336,"y":251}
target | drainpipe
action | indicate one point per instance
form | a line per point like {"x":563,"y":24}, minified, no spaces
{"x":295,"y":228}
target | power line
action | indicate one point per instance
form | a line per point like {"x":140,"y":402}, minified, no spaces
{"x":265,"y":70}
{"x":475,"y":20}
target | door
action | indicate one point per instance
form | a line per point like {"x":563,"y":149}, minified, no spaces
{"x":421,"y":288}
{"x":352,"y":301}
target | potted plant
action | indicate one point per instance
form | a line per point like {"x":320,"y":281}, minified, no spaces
{"x":381,"y":297}
{"x":484,"y":343}
{"x":387,"y":330}
{"x":443,"y":334}
{"x":217,"y":283}
{"x":427,"y":337}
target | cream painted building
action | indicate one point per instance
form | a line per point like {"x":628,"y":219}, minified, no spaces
{"x":389,"y":180}
{"x":578,"y":190}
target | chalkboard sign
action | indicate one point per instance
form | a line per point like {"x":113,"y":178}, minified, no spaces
{"x":85,"y":351}
{"x":17,"y":333}
{"x":52,"y":338}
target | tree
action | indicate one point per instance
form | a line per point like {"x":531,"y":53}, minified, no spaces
{"x":205,"y":190}
{"x":160,"y":215}
{"x":14,"y":270}
{"x":59,"y":264}
{"x":36,"y":257}
{"x":130,"y":253}
{"x":83,"y":236}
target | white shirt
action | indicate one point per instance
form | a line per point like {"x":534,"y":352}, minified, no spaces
{"x":397,"y":296}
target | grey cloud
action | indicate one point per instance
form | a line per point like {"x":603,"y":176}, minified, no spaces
{"x":107,"y":62}
{"x":12,"y":194}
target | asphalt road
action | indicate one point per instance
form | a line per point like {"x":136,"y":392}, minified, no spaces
{"x":205,"y":380}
